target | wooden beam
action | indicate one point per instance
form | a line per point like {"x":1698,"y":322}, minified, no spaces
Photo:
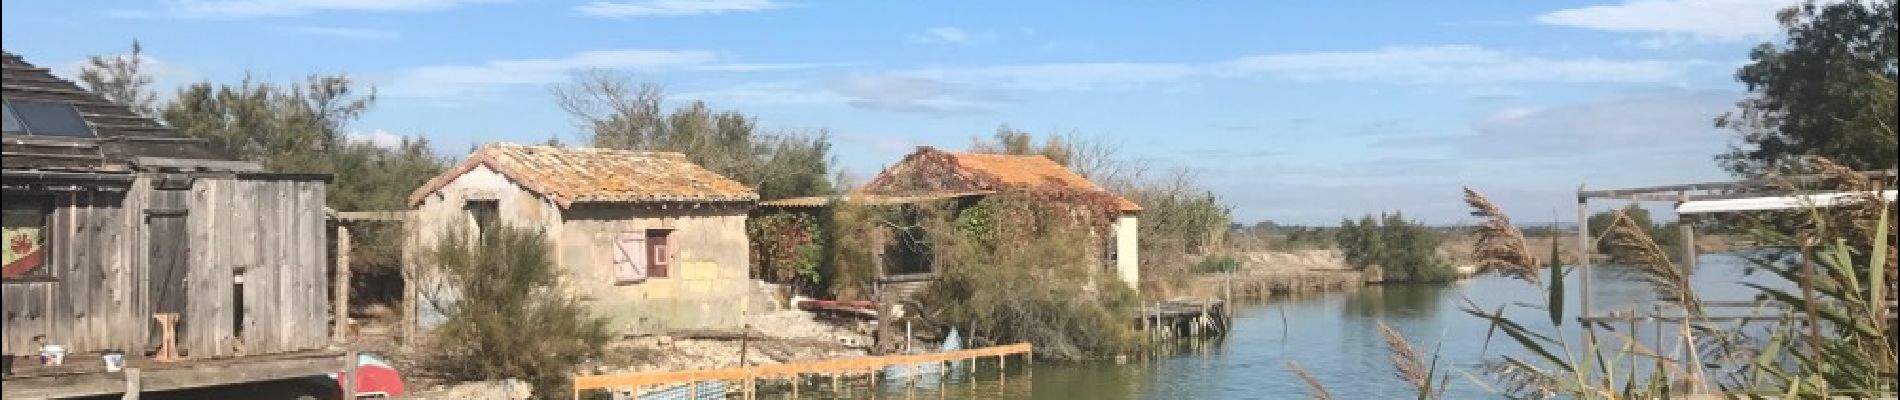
{"x":354,"y":216}
{"x":194,"y":164}
{"x":184,"y":375}
{"x":1706,"y":186}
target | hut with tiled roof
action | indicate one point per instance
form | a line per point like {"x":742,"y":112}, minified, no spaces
{"x":651,"y":240}
{"x":929,"y":171}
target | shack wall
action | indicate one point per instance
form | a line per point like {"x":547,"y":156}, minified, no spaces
{"x":258,"y":282}
{"x":101,"y":293}
{"x":90,"y":301}
{"x":1128,"y":250}
{"x":708,"y":286}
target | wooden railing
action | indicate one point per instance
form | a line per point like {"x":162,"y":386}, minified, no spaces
{"x":792,"y":371}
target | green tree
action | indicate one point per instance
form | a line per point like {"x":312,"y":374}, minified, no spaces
{"x":1827,"y":91}
{"x":122,"y":80}
{"x":301,"y":129}
{"x":619,"y":114}
{"x":1404,"y":250}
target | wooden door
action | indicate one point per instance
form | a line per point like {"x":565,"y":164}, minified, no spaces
{"x":170,"y":248}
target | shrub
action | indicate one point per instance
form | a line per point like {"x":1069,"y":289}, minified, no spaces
{"x":1217,"y":264}
{"x":1405,"y":251}
{"x":1014,"y":273}
{"x":509,"y":318}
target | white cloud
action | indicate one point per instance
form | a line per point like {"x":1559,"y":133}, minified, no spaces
{"x":1675,"y":21}
{"x":453,"y":80}
{"x":914,"y":94}
{"x":647,"y":8}
{"x":953,"y":35}
{"x":342,"y":32}
{"x":240,"y":9}
{"x":763,"y":67}
{"x":380,"y":138}
{"x":1672,"y":121}
{"x":770,"y":93}
{"x":1065,"y":76}
{"x":1452,"y":64}
{"x":165,"y":74}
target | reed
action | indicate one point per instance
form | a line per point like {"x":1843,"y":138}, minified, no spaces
{"x":1319,"y":391}
{"x":1501,"y":247}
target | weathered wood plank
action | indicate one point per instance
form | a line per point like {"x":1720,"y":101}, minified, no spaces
{"x":190,"y":374}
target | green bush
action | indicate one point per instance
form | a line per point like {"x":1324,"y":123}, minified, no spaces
{"x":1217,"y":264}
{"x":508,"y":317}
{"x":1012,"y":273}
{"x":1404,"y":250}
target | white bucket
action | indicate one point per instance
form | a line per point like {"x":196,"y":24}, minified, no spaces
{"x":52,"y":354}
{"x":115,"y":360}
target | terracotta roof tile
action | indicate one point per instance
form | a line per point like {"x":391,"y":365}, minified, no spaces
{"x":991,"y":170}
{"x":591,"y":175}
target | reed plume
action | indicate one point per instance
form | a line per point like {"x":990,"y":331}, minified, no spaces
{"x":1634,"y":247}
{"x":1410,"y":366}
{"x":1319,"y":391}
{"x":1501,"y":246}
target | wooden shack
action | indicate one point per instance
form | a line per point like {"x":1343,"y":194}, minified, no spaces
{"x":112,"y":218}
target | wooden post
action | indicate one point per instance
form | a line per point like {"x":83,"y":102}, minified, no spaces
{"x":349,"y":375}
{"x":341,"y":326}
{"x":1583,"y":252}
{"x":132,"y":384}
{"x":411,"y":283}
{"x":1685,"y":227}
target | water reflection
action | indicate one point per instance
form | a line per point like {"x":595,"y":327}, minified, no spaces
{"x":1334,"y":336}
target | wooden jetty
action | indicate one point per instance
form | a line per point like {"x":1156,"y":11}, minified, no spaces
{"x":1186,"y":319}
{"x":749,"y":376}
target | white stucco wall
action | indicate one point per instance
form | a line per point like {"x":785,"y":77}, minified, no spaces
{"x":1128,"y":250}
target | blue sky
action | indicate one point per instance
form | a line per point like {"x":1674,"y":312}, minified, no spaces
{"x":1300,"y":112}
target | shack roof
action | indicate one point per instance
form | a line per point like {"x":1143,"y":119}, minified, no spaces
{"x":868,"y":199}
{"x":932,"y":170}
{"x":569,"y":175}
{"x":112,"y":137}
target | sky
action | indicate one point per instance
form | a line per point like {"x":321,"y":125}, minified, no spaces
{"x":1298,"y":112}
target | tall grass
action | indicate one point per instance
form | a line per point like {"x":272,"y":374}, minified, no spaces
{"x":1839,"y":344}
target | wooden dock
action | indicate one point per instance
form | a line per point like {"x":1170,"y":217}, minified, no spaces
{"x":749,"y":376}
{"x":86,"y":376}
{"x":1186,"y":319}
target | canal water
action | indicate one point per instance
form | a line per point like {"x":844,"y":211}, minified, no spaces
{"x":1335,"y":336}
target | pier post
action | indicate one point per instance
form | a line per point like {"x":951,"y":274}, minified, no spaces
{"x":1583,"y":253}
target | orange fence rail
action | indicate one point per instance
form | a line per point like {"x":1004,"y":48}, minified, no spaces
{"x":791,"y":370}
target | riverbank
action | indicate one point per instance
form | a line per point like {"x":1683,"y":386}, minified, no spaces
{"x":1266,"y":274}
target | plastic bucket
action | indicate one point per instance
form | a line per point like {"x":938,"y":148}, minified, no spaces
{"x":52,"y":354}
{"x":115,"y":360}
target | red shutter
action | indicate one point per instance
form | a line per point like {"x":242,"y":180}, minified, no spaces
{"x":629,"y":263}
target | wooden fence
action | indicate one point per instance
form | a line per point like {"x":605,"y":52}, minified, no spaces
{"x":751,"y":374}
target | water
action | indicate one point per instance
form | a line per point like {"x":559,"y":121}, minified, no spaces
{"x":1334,"y":336}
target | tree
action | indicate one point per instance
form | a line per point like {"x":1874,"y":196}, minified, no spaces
{"x":300,"y":128}
{"x":122,"y":80}
{"x":1827,"y":91}
{"x":289,"y":128}
{"x":1404,"y":250}
{"x":618,"y":114}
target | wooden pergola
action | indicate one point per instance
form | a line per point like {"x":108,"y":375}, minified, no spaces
{"x":1681,"y":194}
